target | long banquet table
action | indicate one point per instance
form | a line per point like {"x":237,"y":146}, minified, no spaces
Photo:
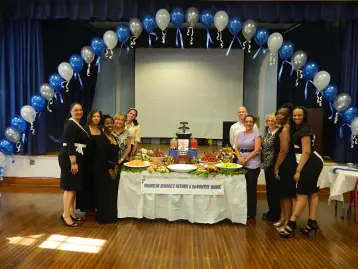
{"x":196,"y":208}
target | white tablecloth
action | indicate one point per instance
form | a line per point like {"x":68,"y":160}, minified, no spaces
{"x":194,"y":208}
{"x":339,"y":183}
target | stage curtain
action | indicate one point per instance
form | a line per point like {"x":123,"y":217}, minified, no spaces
{"x":63,"y":38}
{"x":349,"y":84}
{"x":323,"y":44}
{"x":21,"y":73}
{"x":127,"y":9}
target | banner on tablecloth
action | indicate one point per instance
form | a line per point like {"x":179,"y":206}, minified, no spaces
{"x":182,"y":186}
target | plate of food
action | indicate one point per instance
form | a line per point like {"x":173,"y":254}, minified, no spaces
{"x":182,"y":168}
{"x":137,"y":164}
{"x":228,"y":166}
{"x":157,"y":156}
{"x":209,"y":159}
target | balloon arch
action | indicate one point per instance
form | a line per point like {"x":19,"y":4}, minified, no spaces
{"x":124,"y":34}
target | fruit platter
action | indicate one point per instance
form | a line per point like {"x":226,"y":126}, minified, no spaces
{"x":142,"y":155}
{"x":226,"y":155}
{"x":156,"y":156}
{"x":228,"y":166}
{"x":209,"y":159}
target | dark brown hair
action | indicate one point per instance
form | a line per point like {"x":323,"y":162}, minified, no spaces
{"x":135,"y":122}
{"x":90,"y":115}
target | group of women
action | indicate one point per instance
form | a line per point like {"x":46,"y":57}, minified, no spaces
{"x":291,"y":165}
{"x":90,"y":160}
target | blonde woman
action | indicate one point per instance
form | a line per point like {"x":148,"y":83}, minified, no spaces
{"x":132,"y":126}
{"x":123,"y":137}
{"x":268,"y":160}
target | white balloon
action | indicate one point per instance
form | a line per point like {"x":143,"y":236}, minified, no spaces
{"x":274,"y":42}
{"x":110,"y":39}
{"x":163,"y":19}
{"x":28,"y":113}
{"x":321,"y":80}
{"x":65,"y":70}
{"x":2,"y":159}
{"x":221,"y":20}
{"x":12,"y":135}
{"x":354,"y":126}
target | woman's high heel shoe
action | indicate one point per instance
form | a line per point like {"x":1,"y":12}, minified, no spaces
{"x":280,"y":222}
{"x":68,"y":224}
{"x":311,"y":226}
{"x":75,"y":218}
{"x":288,"y":230}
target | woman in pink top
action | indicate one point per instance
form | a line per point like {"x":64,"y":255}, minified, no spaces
{"x":247,"y":149}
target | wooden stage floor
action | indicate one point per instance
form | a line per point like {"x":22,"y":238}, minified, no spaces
{"x":32,"y":236}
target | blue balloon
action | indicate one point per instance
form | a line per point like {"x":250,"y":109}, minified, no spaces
{"x":38,"y":102}
{"x":207,"y":18}
{"x":286,"y":50}
{"x":76,"y":62}
{"x":6,"y":147}
{"x":330,"y":92}
{"x":122,"y":32}
{"x":18,"y":123}
{"x":55,"y":81}
{"x":149,"y":23}
{"x":349,"y":114}
{"x":309,"y":70}
{"x":177,"y":16}
{"x":235,"y":25}
{"x":97,"y":45}
{"x":261,"y":36}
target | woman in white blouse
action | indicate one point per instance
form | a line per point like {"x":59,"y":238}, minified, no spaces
{"x":133,"y":127}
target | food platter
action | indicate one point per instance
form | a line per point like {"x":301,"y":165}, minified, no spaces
{"x":137,"y":164}
{"x":228,"y":166}
{"x":182,"y":168}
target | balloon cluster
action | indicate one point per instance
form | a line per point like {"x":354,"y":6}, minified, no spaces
{"x":341,"y":103}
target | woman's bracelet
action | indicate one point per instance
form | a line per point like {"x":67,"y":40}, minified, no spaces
{"x":73,"y":162}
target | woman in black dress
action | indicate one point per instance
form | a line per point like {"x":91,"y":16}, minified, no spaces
{"x":285,"y":164}
{"x":310,"y":165}
{"x":106,"y":173}
{"x":70,"y":158}
{"x":85,"y":199}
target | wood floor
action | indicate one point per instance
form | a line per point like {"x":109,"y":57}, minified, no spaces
{"x":32,"y":236}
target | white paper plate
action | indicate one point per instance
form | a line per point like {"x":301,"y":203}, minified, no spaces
{"x":238,"y":166}
{"x":182,"y":168}
{"x":146,"y":164}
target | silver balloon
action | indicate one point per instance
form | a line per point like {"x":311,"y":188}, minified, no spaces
{"x":249,"y":29}
{"x":12,"y":135}
{"x":342,"y":102}
{"x":87,"y":54}
{"x":136,"y":27}
{"x":354,"y":126}
{"x":47,"y":92}
{"x":298,"y":59}
{"x":192,"y":16}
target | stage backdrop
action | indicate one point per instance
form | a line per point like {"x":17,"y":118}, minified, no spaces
{"x":201,"y":87}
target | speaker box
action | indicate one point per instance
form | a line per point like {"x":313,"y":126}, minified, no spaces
{"x":226,"y":132}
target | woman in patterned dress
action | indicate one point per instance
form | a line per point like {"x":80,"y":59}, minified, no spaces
{"x":268,"y":159}
{"x":123,"y":137}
